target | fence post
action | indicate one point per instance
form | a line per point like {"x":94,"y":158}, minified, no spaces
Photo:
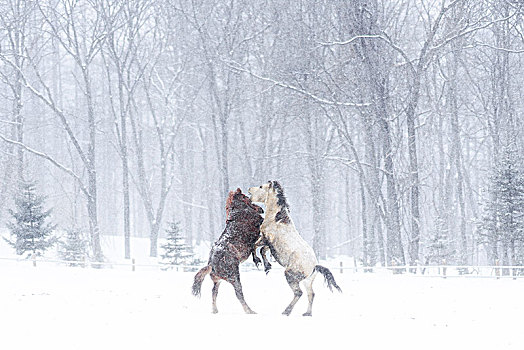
{"x":34,"y":260}
{"x":497,"y":269}
{"x":341,"y":266}
{"x":133,"y":265}
{"x":444,"y":268}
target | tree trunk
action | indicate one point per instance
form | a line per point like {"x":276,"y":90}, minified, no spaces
{"x":457,"y":153}
{"x":315,"y":166}
{"x":186,"y":163}
{"x":91,"y":170}
{"x":224,"y":156}
{"x":19,"y":120}
{"x":364,"y":214}
{"x":373,"y":177}
{"x":395,"y":250}
{"x":210,"y":208}
{"x":414,"y":192}
{"x":319,"y":232}
{"x":125,"y":167}
{"x":350,"y":251}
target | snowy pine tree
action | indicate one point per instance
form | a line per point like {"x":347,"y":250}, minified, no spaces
{"x":29,"y":231}
{"x":502,"y":224}
{"x":74,"y":247}
{"x":176,"y":251}
{"x":439,"y":250}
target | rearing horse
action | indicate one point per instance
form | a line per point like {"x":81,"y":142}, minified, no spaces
{"x":233,"y":247}
{"x":286,"y":245}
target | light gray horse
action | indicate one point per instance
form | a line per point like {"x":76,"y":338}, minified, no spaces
{"x":289,"y":249}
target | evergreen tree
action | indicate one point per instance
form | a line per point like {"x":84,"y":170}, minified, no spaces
{"x":30,"y":233}
{"x":176,"y":251}
{"x":503,"y":221}
{"x":74,"y":248}
{"x":439,"y":250}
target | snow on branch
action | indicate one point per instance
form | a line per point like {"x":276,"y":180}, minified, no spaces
{"x":469,"y":29}
{"x":236,"y":67}
{"x":384,"y":37}
{"x":9,"y":122}
{"x":503,"y":49}
{"x":50,"y":159}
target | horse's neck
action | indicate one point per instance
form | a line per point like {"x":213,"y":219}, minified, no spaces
{"x":272,"y":208}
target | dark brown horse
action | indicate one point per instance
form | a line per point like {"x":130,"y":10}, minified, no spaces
{"x":233,"y":247}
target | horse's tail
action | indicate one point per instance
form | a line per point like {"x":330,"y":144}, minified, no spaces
{"x":199,"y":278}
{"x":328,"y":277}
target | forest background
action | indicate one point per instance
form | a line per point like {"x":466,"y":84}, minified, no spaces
{"x":395,"y":127}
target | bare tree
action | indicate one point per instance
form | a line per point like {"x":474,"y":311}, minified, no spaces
{"x":65,"y":23}
{"x":124,"y":23}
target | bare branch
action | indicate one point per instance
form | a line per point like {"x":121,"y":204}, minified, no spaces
{"x":503,"y":49}
{"x":235,"y":67}
{"x":50,"y":159}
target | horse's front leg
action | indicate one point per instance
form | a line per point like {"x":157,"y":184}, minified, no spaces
{"x":256,"y":259}
{"x":262,"y":242}
{"x":267,"y":265}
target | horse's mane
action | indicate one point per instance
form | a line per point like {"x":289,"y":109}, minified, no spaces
{"x":229,"y":200}
{"x":281,"y":197}
{"x":282,"y":215}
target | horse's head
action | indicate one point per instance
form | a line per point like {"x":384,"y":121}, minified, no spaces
{"x":272,"y":189}
{"x":260,"y":193}
{"x":236,"y":200}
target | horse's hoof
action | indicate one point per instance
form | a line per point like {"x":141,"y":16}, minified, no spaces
{"x":307,"y":314}
{"x":215,"y":311}
{"x":286,"y":312}
{"x":251,"y":312}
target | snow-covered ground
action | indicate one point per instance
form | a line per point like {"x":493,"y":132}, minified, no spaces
{"x":52,"y":307}
{"x":58,"y":307}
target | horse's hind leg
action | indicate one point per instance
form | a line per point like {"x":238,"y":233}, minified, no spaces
{"x":293,"y":279}
{"x":240,"y":295}
{"x":310,"y":294}
{"x":216,"y":284}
